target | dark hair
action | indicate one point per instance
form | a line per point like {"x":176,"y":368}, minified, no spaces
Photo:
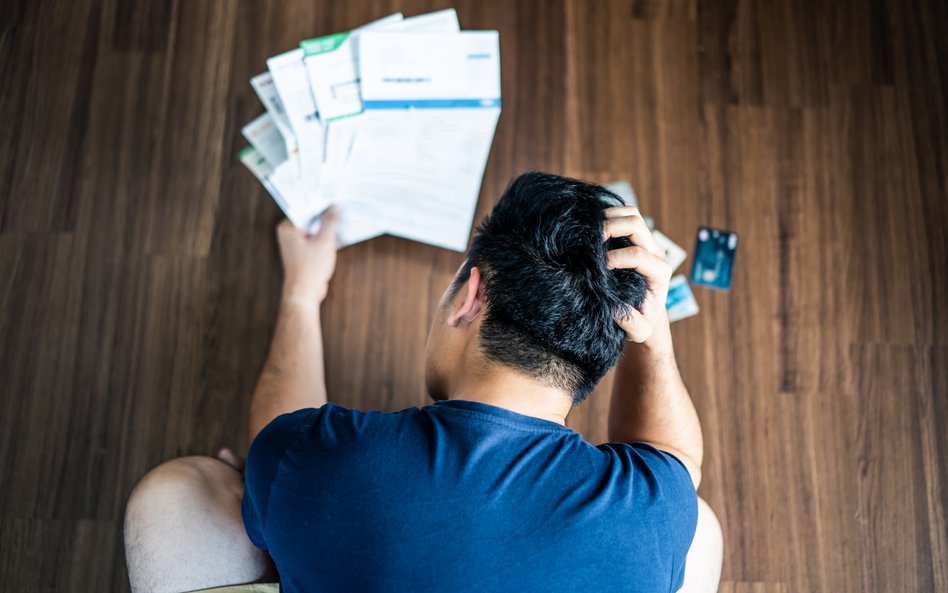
{"x":551,"y":302}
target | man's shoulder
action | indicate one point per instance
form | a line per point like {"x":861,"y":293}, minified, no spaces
{"x":655,"y":473}
{"x":334,"y":426}
{"x":339,"y":414}
{"x":342,"y":417}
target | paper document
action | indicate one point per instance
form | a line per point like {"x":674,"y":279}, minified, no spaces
{"x":431,"y":103}
{"x":263,"y":85}
{"x":332,"y":64}
{"x":271,"y":177}
{"x":264,"y":136}
{"x":340,"y":135}
{"x":281,"y":183}
{"x":297,"y":200}
{"x":291,"y":81}
{"x":263,"y":170}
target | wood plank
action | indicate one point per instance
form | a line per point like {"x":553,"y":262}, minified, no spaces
{"x":42,"y":555}
{"x":48,"y":55}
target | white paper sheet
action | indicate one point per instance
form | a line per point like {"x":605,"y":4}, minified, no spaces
{"x":263,"y":171}
{"x":292,"y":83}
{"x":264,"y":136}
{"x":431,"y":105}
{"x":281,"y":180}
{"x":298,"y":195}
{"x":332,"y":62}
{"x":340,"y":135}
{"x":280,"y":184}
{"x":263,"y":85}
{"x":332,"y":66}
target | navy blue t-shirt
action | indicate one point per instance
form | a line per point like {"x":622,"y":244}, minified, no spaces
{"x":462,"y":496}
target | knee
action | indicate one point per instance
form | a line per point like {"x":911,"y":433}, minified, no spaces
{"x":183,"y":529}
{"x":181,"y":483}
{"x":709,"y":528}
{"x":703,"y":564}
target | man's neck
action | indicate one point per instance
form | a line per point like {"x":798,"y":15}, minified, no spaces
{"x":500,"y":386}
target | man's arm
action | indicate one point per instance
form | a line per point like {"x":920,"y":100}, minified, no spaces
{"x":293,"y":376}
{"x":650,"y":402}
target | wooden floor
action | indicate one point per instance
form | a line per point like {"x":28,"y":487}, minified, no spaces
{"x":139,"y":278}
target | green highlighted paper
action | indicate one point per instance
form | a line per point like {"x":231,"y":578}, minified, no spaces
{"x":321,"y":45}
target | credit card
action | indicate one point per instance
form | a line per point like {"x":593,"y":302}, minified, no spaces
{"x":681,"y":302}
{"x":714,"y":258}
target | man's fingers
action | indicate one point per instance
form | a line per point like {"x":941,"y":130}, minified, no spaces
{"x":647,"y":257}
{"x":285,"y":226}
{"x":635,"y":325}
{"x":331,"y":215}
{"x":231,"y":459}
{"x":635,"y":229}
{"x":619,"y":211}
{"x":329,"y":221}
{"x":653,"y":267}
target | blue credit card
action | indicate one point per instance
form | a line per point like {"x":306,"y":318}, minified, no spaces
{"x":677,"y":293}
{"x":713,"y":262}
{"x":681,"y":302}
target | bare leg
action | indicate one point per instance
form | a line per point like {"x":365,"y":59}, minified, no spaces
{"x":703,"y":565}
{"x":183,"y":529}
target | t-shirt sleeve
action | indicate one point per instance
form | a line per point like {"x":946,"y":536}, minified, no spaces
{"x":263,"y":462}
{"x":673,"y":497}
{"x":683,"y":514}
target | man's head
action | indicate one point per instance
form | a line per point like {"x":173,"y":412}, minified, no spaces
{"x":534,"y":293}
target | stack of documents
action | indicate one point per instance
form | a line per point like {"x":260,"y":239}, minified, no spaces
{"x":392,"y":121}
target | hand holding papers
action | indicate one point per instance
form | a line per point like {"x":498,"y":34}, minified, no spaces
{"x":393,"y":121}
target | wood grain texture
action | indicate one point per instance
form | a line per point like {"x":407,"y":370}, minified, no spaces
{"x":139,"y":277}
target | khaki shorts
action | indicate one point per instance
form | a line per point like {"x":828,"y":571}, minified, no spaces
{"x":252,"y":588}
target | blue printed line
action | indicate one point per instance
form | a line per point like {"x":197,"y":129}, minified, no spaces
{"x":432,"y":104}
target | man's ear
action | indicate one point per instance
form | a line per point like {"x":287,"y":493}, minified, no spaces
{"x":472,"y":302}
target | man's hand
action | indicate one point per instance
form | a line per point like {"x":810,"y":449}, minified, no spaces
{"x":308,"y":260}
{"x":646,"y":256}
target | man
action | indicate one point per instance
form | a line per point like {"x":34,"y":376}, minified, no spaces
{"x":486,"y":490}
